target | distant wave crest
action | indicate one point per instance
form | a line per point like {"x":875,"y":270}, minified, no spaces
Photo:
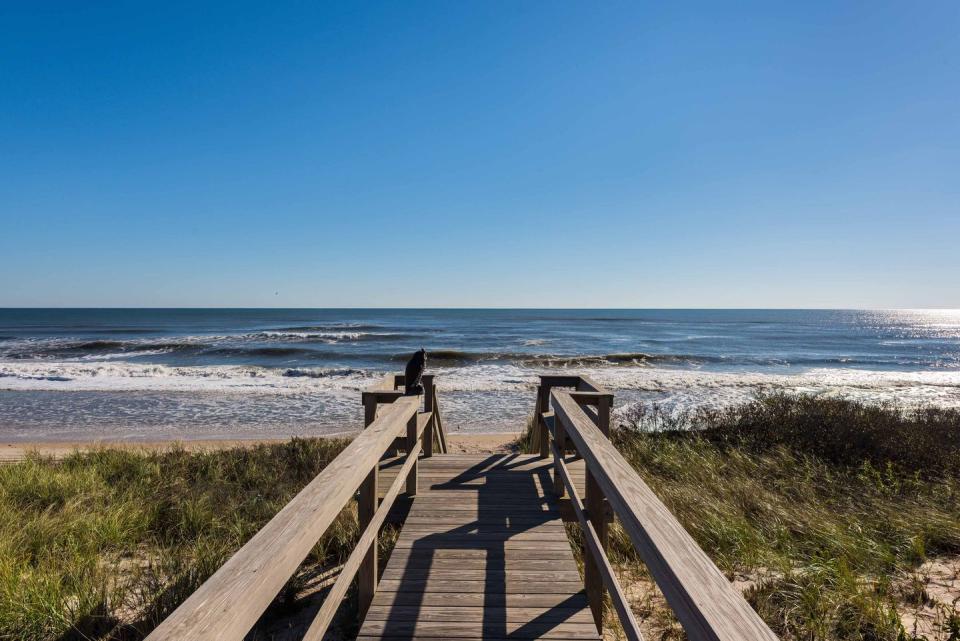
{"x":262,"y":344}
{"x":458,"y":357}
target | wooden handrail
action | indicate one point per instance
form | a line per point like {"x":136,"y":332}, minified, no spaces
{"x":228,"y":604}
{"x":631,"y":628}
{"x":705,"y":603}
{"x":369,"y":538}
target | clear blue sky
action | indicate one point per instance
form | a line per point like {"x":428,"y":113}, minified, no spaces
{"x":607,"y":154}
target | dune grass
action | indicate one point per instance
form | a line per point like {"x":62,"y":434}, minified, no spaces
{"x":825,"y":508}
{"x":105,"y":544}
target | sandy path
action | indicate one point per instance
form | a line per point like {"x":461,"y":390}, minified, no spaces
{"x":456,"y":444}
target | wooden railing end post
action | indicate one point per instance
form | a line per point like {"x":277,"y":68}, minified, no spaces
{"x":369,"y":409}
{"x":411,"y":445}
{"x":543,"y":395}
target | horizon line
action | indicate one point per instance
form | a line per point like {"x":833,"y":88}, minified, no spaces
{"x":479,"y":308}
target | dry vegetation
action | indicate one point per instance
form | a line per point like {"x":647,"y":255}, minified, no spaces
{"x":839,"y":520}
{"x":104,"y":544}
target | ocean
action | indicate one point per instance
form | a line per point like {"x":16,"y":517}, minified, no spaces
{"x":76,"y":374}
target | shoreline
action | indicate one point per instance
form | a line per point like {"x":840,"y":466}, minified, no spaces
{"x":11,"y":451}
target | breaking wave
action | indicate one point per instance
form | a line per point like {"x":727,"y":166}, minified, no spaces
{"x":265,"y":352}
{"x":125,"y":376}
{"x":252,"y":344}
{"x":457,"y":357}
{"x":332,"y":327}
{"x":316,"y":372}
{"x":692,"y":385}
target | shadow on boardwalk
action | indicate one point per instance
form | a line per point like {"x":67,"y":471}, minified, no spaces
{"x":483,"y":554}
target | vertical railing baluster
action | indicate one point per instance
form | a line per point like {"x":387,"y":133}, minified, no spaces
{"x":596,"y":504}
{"x":560,"y":441}
{"x":367,"y":574}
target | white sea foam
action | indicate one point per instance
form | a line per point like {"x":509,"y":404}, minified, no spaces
{"x":122,"y":376}
{"x":683,"y":387}
{"x":199,"y":401}
{"x":327,"y":337}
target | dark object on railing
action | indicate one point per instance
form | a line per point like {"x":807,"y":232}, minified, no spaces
{"x":411,"y":376}
{"x":386,"y":392}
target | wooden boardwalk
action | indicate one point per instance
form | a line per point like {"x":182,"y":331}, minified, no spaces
{"x":482,"y":551}
{"x":483,"y":554}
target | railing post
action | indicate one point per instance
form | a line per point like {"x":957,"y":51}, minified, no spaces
{"x":560,"y":440}
{"x":411,"y":443}
{"x":369,"y":409}
{"x":428,"y":406}
{"x":543,"y":404}
{"x":596,"y":504}
{"x":427,"y":382}
{"x":367,"y":574}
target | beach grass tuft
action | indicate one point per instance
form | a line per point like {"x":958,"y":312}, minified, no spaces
{"x":106,"y":543}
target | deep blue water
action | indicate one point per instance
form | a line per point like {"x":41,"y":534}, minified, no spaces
{"x":378,"y":338}
{"x":226,"y":372}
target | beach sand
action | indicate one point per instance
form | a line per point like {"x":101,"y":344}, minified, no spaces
{"x":13,"y":451}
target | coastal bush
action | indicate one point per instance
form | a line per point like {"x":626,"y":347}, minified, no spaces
{"x":105,"y":544}
{"x":821,"y":504}
{"x":821,"y":509}
{"x":820,"y":542}
{"x":924,"y":440}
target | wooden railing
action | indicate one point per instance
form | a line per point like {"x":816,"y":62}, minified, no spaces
{"x":229,"y":603}
{"x":708,"y":607}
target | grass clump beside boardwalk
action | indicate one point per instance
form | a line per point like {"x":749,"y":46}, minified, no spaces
{"x":822,"y":509}
{"x":105,"y":544}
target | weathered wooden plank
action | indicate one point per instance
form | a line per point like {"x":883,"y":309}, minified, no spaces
{"x":536,"y":629}
{"x":460,"y":613}
{"x":430,"y":637}
{"x":486,"y":485}
{"x":484,"y":544}
{"x":506,"y":493}
{"x":439,"y":518}
{"x":472,"y":514}
{"x":456,"y":499}
{"x":483,"y":535}
{"x":701,"y":597}
{"x":484,"y":574}
{"x":488,"y":526}
{"x":496,"y":554}
{"x":478,"y":599}
{"x":482,"y":563}
{"x":483,"y":532}
{"x":484,"y":587}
